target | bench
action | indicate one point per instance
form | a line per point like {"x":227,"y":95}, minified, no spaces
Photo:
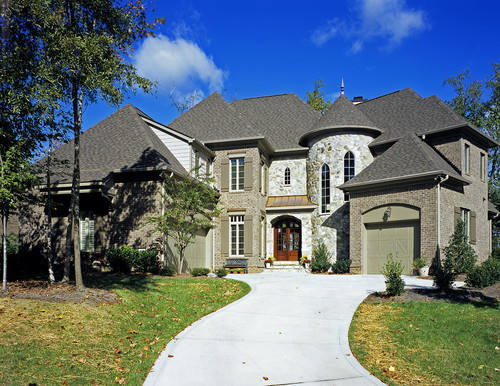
{"x":237,"y":263}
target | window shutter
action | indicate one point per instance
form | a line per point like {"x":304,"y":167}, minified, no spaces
{"x":83,"y":234}
{"x":261,"y":169}
{"x":248,"y":236}
{"x":224,"y":235}
{"x":248,"y":173}
{"x":224,"y":184}
{"x":456,"y":216}
{"x":90,"y":236}
{"x":266,"y":179}
{"x":472,"y":228}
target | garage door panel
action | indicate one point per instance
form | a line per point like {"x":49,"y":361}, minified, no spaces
{"x":398,"y":239}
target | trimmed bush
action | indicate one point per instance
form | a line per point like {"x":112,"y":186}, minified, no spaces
{"x":392,"y":270}
{"x":321,"y":258}
{"x":169,"y":270}
{"x":444,"y":276}
{"x":146,"y":261}
{"x":200,"y":271}
{"x":484,"y":275}
{"x":119,"y":260}
{"x":221,"y":272}
{"x":459,"y":251}
{"x":341,"y":266}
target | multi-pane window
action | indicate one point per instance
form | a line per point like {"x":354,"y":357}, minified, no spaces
{"x":325,"y":189}
{"x":237,"y":235}
{"x":87,"y":232}
{"x":467,"y":159}
{"x":237,"y":173}
{"x":287,"y":177}
{"x":349,"y":170}
{"x":465,"y":216}
{"x":482,"y":166}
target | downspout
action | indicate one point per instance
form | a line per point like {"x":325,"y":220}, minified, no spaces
{"x":440,"y":181}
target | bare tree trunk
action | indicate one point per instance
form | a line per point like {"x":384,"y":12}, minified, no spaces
{"x":4,"y":240}
{"x":77,"y":119}
{"x":49,"y":205}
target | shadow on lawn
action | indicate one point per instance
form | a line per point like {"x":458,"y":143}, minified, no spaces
{"x":111,"y":281}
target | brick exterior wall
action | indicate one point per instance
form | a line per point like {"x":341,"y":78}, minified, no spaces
{"x":422,"y":196}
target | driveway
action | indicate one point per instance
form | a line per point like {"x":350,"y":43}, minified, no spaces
{"x":290,"y":329}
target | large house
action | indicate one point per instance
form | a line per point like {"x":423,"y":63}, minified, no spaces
{"x":368,"y":178}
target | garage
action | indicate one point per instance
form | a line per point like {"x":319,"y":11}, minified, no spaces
{"x":397,"y":233}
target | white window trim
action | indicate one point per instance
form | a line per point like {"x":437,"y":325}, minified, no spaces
{"x":238,"y":189}
{"x":239,"y":221}
{"x":328,"y":206}
{"x":482,"y":166}
{"x":466,"y":158}
{"x":465,"y":216}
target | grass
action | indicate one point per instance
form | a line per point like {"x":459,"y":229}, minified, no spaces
{"x":65,"y":343}
{"x":428,"y":342}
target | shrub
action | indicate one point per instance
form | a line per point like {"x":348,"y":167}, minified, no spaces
{"x":392,"y":270}
{"x":169,"y":270}
{"x":221,"y":272}
{"x":200,"y":271}
{"x":321,"y":258}
{"x":146,"y":261}
{"x":119,"y":260}
{"x":459,"y":251}
{"x":484,"y":275}
{"x":444,"y":275}
{"x":341,"y":266}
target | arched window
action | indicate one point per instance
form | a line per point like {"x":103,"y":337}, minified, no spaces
{"x":325,"y":189}
{"x":287,"y":176}
{"x":349,"y":170}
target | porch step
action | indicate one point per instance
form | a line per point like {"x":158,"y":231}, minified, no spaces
{"x":286,"y":266}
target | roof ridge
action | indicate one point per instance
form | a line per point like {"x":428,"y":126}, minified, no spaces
{"x":391,"y":93}
{"x":263,"y":96}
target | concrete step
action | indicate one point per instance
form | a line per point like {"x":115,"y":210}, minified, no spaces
{"x":286,"y":266}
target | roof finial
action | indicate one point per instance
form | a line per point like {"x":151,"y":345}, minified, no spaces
{"x":342,"y":87}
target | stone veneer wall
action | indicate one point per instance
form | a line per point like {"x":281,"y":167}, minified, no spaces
{"x":333,"y":228}
{"x":298,"y":176}
{"x":306,"y":228}
{"x":422,"y":196}
{"x":250,"y":203}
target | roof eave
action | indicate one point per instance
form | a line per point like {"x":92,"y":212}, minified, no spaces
{"x":370,"y":130}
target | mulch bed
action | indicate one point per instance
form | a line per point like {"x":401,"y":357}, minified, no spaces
{"x":459,"y":295}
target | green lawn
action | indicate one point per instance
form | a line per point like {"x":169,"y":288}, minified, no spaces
{"x":428,"y":342}
{"x":62,"y":343}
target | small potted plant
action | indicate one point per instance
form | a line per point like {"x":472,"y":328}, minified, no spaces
{"x":269,"y":262}
{"x":421,"y":267}
{"x":305,"y":261}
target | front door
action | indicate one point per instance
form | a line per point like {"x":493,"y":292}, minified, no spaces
{"x":287,"y":240}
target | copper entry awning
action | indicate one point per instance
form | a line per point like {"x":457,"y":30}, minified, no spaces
{"x":291,"y":202}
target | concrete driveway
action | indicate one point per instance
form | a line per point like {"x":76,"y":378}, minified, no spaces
{"x":290,"y":329}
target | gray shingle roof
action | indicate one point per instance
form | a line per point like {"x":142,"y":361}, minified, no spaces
{"x":213,"y":119}
{"x":283,"y":119}
{"x":342,"y":113}
{"x":121,"y":141}
{"x":408,"y":157}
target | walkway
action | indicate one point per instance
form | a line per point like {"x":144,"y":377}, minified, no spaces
{"x":290,"y":329}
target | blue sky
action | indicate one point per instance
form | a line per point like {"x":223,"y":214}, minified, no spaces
{"x":257,"y":48}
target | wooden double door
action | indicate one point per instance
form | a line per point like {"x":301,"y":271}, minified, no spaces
{"x":287,"y":243}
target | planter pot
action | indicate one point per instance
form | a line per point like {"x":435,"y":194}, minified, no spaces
{"x":268,"y":265}
{"x":424,"y":271}
{"x":306,"y":265}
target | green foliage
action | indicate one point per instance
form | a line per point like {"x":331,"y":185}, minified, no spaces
{"x":169,"y":270}
{"x":221,"y":272}
{"x":320,"y":261}
{"x":341,"y":266}
{"x":316,"y":99}
{"x":444,"y":276}
{"x":125,"y":258}
{"x":488,"y":273}
{"x":392,"y":270}
{"x":190,"y":204}
{"x":459,"y":252}
{"x":12,"y":245}
{"x":200,"y":271}
{"x":419,"y":263}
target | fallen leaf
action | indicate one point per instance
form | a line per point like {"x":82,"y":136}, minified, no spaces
{"x":480,"y":367}
{"x":392,"y":369}
{"x":170,"y":356}
{"x":265,"y":378}
{"x":42,"y":310}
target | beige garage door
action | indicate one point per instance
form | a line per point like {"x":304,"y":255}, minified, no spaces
{"x":400,"y":238}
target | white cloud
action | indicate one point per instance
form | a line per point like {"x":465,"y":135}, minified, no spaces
{"x":178,"y":63}
{"x":389,"y":20}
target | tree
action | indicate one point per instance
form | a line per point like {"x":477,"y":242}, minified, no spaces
{"x":85,"y":46}
{"x":189,"y":205}
{"x":479,"y":103}
{"x":316,"y":99}
{"x":460,"y":253}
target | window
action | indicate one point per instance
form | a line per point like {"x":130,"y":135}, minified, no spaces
{"x":287,"y":177}
{"x":86,"y":232}
{"x":325,"y":189}
{"x":237,"y":174}
{"x":349,"y":170}
{"x":467,"y":159}
{"x":465,"y":216}
{"x":482,"y":167}
{"x":237,"y":235}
